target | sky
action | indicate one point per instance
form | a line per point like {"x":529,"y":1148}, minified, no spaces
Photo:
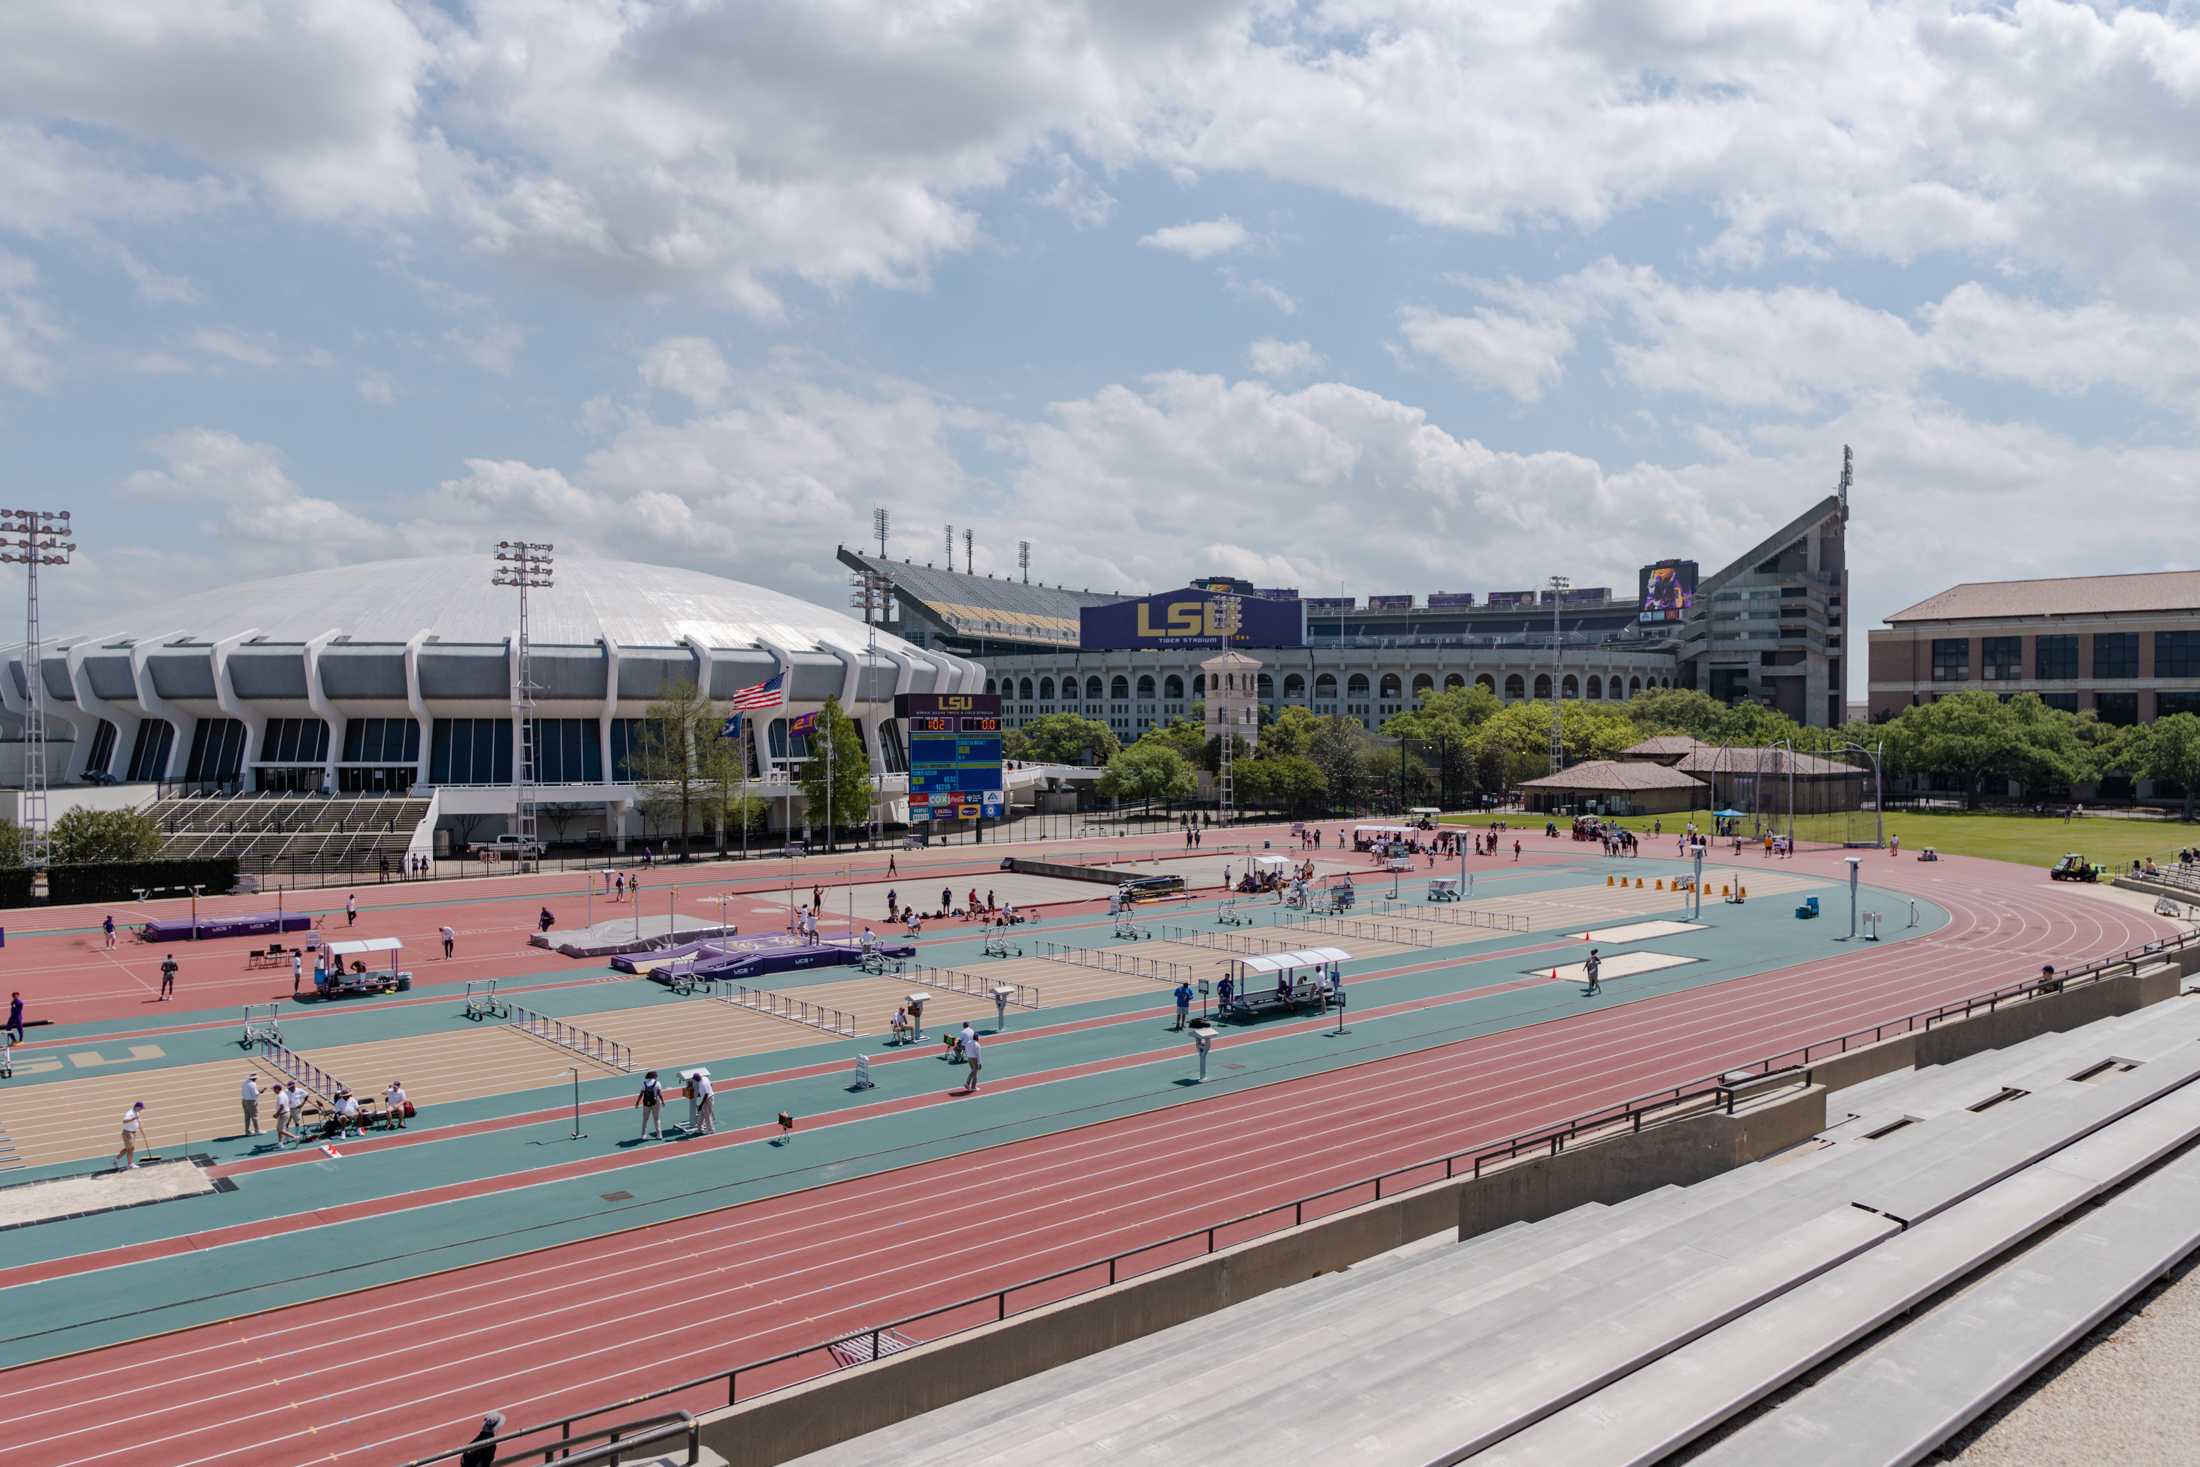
{"x":1358,"y":297}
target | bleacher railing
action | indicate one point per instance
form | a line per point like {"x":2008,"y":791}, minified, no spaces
{"x":955,"y":980}
{"x":1718,"y":1092}
{"x":1116,"y":960}
{"x":1360,"y":927}
{"x":571,"y":1036}
{"x":794,"y":1010}
{"x":297,"y":1067}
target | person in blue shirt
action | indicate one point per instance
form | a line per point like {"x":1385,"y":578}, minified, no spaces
{"x":1223,"y":992}
{"x":108,"y":927}
{"x":1183,"y":1004}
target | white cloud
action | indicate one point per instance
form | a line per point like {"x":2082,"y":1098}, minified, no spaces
{"x":1260,"y":291}
{"x":1282,"y":360}
{"x":1513,"y":354}
{"x":28,"y":331}
{"x":494,"y":348}
{"x":1074,"y":193}
{"x":244,"y":492}
{"x":375,"y":386}
{"x":688,"y":366}
{"x":246,"y":350}
{"x":151,"y":363}
{"x":1199,"y":241}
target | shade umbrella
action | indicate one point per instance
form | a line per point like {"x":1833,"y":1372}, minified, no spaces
{"x":1728,"y":814}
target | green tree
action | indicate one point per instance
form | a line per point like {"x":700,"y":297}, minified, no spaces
{"x":1678,"y":711}
{"x":2171,"y":751}
{"x":671,"y":755}
{"x":81,"y":837}
{"x":11,"y":844}
{"x":1289,"y":732}
{"x":1068,"y":738}
{"x":838,"y":788}
{"x":1184,"y":736}
{"x":1445,"y":727}
{"x":1289,"y":782}
{"x":1148,"y":770}
{"x":1340,"y":750}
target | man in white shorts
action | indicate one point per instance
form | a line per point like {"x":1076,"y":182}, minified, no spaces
{"x":132,"y":1120}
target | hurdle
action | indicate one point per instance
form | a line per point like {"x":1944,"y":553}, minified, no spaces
{"x":1227,"y":942}
{"x":482,"y":1001}
{"x":256,"y":1029}
{"x":296,"y":1067}
{"x":1115,"y":960}
{"x":1456,"y":916}
{"x":954,"y":980}
{"x":571,"y":1037}
{"x":1359,"y":927}
{"x":793,"y":1010}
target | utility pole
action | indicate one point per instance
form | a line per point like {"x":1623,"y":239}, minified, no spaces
{"x":1558,"y":742}
{"x":526,"y":565}
{"x":31,"y":538}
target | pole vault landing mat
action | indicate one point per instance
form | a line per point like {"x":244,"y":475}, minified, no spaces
{"x":629,"y":934}
{"x":1637,"y":931}
{"x":1618,"y":965}
{"x":256,"y":924}
{"x":734,"y":958}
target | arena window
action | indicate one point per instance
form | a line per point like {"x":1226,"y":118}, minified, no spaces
{"x":1172,"y":688}
{"x":2168,"y":704}
{"x":2001,"y":659}
{"x":1951,"y":659}
{"x":2118,"y":709}
{"x":103,"y":748}
{"x":470,"y":751}
{"x":217,"y":750}
{"x":294,"y":741}
{"x":149,"y":753}
{"x":381,"y":741}
{"x":2115,"y":654}
{"x":2177,"y":654}
{"x":2055,"y":659}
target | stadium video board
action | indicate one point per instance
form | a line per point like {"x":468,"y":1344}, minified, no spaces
{"x":1331,"y":603}
{"x":1440,"y":600}
{"x":1192,"y":617}
{"x":1668,"y":591}
{"x":1390,"y":603}
{"x":1511,"y":598}
{"x":954,"y":744}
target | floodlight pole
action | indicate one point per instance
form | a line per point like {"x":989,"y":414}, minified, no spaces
{"x":525,"y":565}
{"x":1559,"y":585}
{"x":31,"y":538}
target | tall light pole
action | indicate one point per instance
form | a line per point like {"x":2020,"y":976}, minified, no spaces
{"x":1559,"y":585}
{"x":526,"y":565}
{"x":31,"y":538}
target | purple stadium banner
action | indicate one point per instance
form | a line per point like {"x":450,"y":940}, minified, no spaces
{"x":1190,"y":617}
{"x":1440,"y":599}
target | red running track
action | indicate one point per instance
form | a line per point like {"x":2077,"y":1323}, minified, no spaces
{"x":405,"y":1369}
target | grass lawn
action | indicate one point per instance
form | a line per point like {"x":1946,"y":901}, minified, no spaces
{"x":2028,"y":840}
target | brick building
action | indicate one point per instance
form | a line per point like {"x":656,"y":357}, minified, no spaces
{"x":2125,"y":646}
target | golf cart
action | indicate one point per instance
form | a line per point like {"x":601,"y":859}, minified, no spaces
{"x":2074,"y":867}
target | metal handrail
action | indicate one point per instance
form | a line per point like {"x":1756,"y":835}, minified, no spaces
{"x":571,"y":1036}
{"x":650,"y":1431}
{"x":1719,"y":1092}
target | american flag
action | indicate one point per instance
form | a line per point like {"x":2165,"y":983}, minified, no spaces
{"x":762,"y":695}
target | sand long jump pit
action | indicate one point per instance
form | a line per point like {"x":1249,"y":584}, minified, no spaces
{"x":1618,"y":965}
{"x":1637,"y":931}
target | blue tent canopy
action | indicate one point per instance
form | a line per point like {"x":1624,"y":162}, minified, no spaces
{"x":1728,"y":814}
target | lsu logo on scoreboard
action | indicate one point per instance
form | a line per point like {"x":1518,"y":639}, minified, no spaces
{"x":957,"y":703}
{"x":1186,"y":619}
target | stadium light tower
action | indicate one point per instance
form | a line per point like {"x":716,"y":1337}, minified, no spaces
{"x":1023,"y":559}
{"x":970,"y":553}
{"x":527,"y":565}
{"x":31,"y":538}
{"x":1558,"y":744}
{"x":879,"y":525}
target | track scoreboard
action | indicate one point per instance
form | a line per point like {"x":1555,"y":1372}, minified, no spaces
{"x":954,"y":743}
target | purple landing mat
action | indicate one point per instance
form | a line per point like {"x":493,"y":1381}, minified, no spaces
{"x":732,"y":958}
{"x":258,"y":924}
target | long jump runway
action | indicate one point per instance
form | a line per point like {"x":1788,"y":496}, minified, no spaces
{"x":403,"y":1369}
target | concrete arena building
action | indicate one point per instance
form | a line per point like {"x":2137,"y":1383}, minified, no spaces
{"x":399,"y":677}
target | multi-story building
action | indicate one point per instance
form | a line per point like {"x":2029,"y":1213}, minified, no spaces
{"x":1771,"y":627}
{"x":2126,"y":646}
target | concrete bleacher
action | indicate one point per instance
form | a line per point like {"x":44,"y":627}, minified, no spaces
{"x":265,"y":830}
{"x":1947,"y":1233}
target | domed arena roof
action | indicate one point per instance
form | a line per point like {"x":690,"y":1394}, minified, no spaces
{"x":452,"y":600}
